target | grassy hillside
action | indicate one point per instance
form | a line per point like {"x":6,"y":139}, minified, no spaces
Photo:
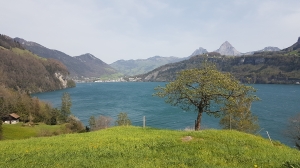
{"x":138,"y":147}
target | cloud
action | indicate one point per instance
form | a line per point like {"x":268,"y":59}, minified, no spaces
{"x":132,"y":29}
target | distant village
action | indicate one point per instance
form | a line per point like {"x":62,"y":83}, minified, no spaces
{"x":97,"y":80}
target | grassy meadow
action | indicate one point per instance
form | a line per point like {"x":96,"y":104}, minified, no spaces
{"x":17,"y":131}
{"x":147,"y":147}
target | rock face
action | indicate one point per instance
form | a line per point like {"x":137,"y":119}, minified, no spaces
{"x":227,"y":49}
{"x":199,"y":51}
{"x":62,"y":79}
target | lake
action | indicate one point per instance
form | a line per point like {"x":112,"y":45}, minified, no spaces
{"x":278,"y":104}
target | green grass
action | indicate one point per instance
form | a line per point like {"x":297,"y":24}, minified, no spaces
{"x":138,"y":147}
{"x":112,"y":76}
{"x":17,"y":131}
{"x":26,"y":52}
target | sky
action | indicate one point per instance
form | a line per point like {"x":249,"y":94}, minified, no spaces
{"x":138,"y":29}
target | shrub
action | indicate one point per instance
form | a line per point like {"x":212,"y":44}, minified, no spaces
{"x":74,"y":124}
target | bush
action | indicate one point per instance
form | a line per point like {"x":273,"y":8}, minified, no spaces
{"x":74,"y":124}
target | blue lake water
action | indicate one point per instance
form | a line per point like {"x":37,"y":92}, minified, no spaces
{"x":278,"y":104}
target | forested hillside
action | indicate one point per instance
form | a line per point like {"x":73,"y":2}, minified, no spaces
{"x":22,"y":70}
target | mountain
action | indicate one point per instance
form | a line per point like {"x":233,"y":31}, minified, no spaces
{"x":22,"y":70}
{"x":294,"y":47}
{"x":97,"y":67}
{"x":282,"y":67}
{"x":80,"y":66}
{"x":140,"y":66}
{"x":227,"y":49}
{"x":270,"y":49}
{"x":199,"y":51}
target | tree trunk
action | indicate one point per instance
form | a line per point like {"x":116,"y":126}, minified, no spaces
{"x":198,"y":121}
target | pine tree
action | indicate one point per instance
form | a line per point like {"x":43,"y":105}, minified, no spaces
{"x":92,"y":122}
{"x":1,"y":130}
{"x":66,"y":104}
{"x":123,"y":119}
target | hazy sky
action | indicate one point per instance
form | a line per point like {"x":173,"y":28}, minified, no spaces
{"x":133,"y":29}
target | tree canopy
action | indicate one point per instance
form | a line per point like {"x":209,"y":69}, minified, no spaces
{"x":204,"y":90}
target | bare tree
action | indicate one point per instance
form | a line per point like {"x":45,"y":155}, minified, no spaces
{"x":293,"y":130}
{"x":102,"y":122}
